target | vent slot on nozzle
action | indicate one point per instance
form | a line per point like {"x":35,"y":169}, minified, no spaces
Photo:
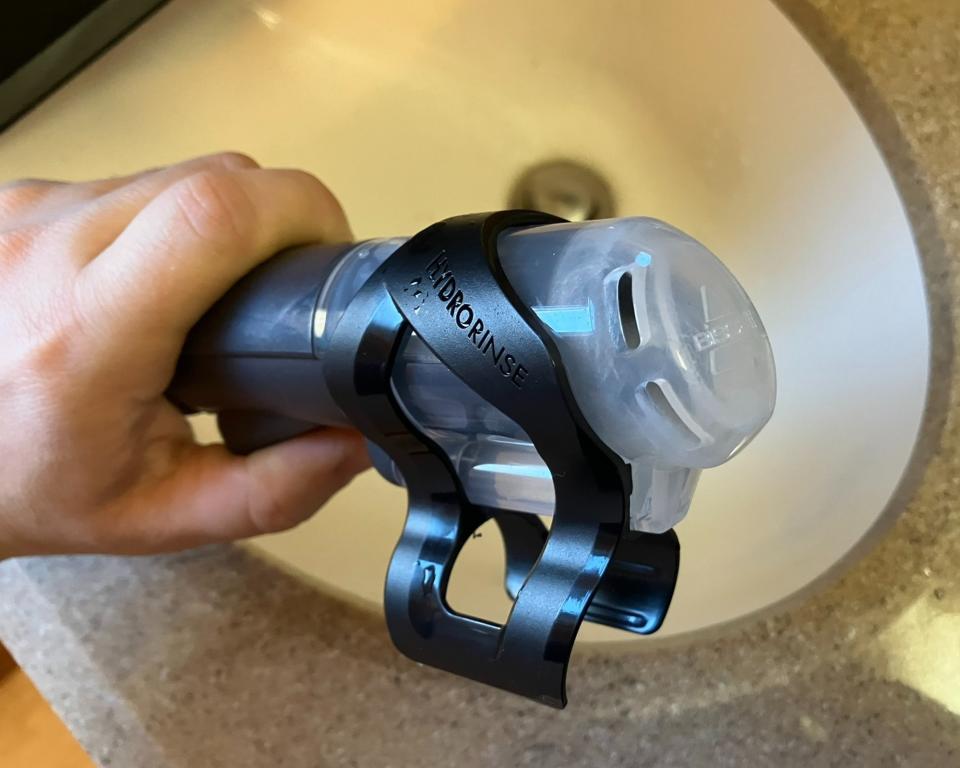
{"x":661,"y":401}
{"x":628,"y":312}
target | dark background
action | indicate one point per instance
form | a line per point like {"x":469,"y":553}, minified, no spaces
{"x":29,"y":26}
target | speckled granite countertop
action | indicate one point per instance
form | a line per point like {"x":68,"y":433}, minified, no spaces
{"x":213,"y":658}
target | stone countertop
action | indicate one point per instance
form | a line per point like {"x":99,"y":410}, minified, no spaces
{"x":214,"y":658}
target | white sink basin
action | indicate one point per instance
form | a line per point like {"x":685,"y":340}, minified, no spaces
{"x":716,"y":117}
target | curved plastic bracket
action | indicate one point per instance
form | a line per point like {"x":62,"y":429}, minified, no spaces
{"x":636,"y":589}
{"x":446,"y":285}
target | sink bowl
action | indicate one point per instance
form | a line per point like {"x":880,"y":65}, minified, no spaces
{"x":717,"y":118}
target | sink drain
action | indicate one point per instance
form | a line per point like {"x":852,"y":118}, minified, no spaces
{"x":564,"y":188}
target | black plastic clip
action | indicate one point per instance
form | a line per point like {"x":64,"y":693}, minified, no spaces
{"x":589,"y":565}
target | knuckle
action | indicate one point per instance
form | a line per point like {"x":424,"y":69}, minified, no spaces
{"x":47,"y":355}
{"x":237,"y":160}
{"x":325,"y":203}
{"x":90,"y":190}
{"x":268,"y":514}
{"x":214,"y":206}
{"x":22,"y":193}
{"x":327,"y":199}
{"x":16,"y":244}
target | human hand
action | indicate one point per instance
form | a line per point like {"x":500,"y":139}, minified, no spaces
{"x":99,"y":284}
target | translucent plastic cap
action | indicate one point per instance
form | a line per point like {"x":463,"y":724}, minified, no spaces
{"x":665,"y":352}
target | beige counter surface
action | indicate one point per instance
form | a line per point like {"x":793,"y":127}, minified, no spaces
{"x":215,"y":658}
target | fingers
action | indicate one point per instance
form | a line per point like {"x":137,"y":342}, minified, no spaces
{"x":235,"y":160}
{"x":40,"y":199}
{"x":80,"y":220}
{"x":66,"y":225}
{"x":188,"y":245}
{"x":215,"y":496}
{"x":106,"y":213}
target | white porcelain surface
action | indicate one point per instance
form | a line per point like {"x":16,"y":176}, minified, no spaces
{"x":715,"y":117}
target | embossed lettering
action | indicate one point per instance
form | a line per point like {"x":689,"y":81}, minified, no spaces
{"x":465,"y":316}
{"x":454,"y":302}
{"x":519,"y":376}
{"x":443,"y":280}
{"x":497,"y":351}
{"x":438,"y":271}
{"x":472,"y":335}
{"x":447,"y":289}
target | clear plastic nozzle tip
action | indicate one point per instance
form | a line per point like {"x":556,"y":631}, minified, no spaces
{"x":665,"y":352}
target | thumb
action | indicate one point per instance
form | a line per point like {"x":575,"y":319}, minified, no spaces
{"x":215,"y":496}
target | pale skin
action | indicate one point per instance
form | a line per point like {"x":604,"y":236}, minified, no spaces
{"x":99,"y":284}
